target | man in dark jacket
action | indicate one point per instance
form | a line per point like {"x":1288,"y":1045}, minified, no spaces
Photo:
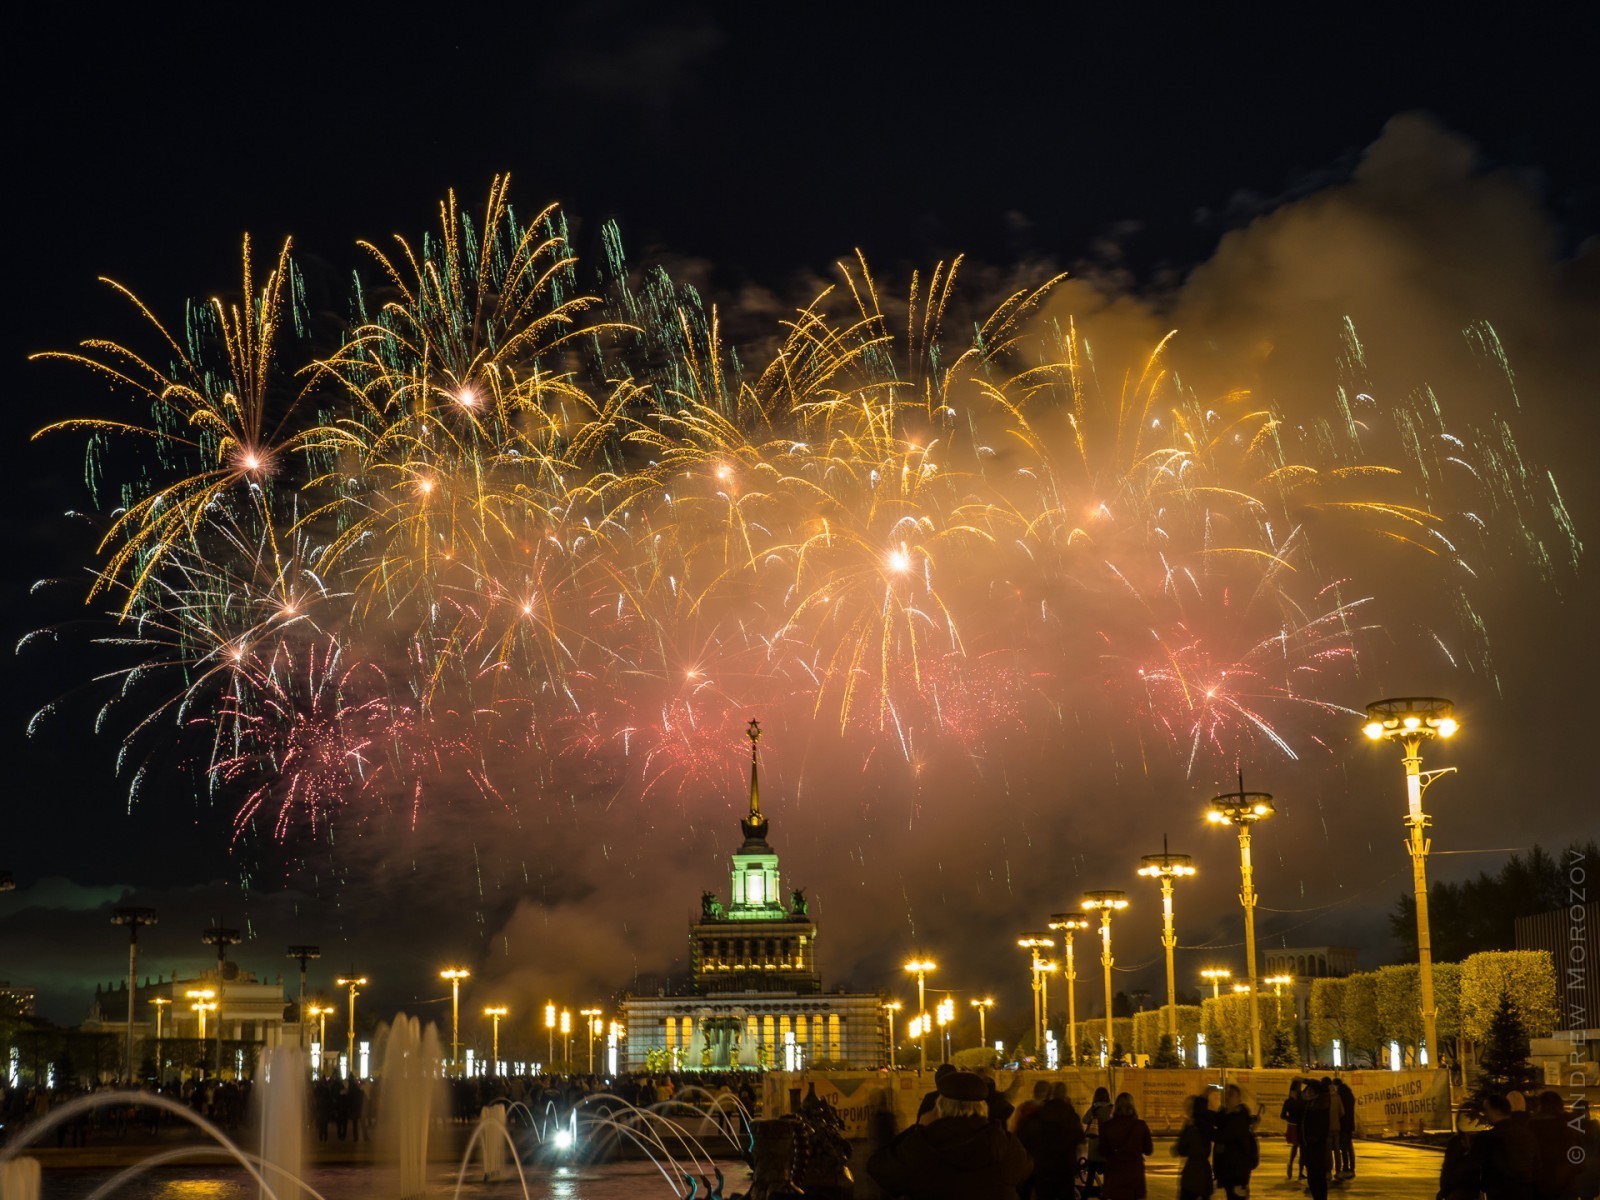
{"x":1235,"y":1153}
{"x":1558,"y":1148}
{"x":959,"y":1155}
{"x":1505,"y":1154}
{"x":1315,"y":1130}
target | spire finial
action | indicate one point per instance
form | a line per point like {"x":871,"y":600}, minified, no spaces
{"x":754,"y":824}
{"x":754,"y":734}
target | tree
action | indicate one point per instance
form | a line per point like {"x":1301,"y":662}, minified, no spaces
{"x":1527,"y":976}
{"x":1166,"y":1055}
{"x":1327,"y":1013}
{"x":1361,"y":1016}
{"x":1281,"y":1052}
{"x":1481,"y":914}
{"x":1398,"y":995}
{"x":1503,"y":1066}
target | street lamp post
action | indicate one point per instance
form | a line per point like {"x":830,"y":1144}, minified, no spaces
{"x":566,"y":1036}
{"x":494,"y":1013}
{"x":892,"y":1007}
{"x":133,"y":918}
{"x":1068,"y":925}
{"x":203,"y":1003}
{"x":1216,"y":975}
{"x":1410,"y":720}
{"x":592,"y":1021}
{"x":946,"y":1014}
{"x":1243,"y":809}
{"x":1167,"y":867}
{"x":1033,"y":943}
{"x":159,"y":1003}
{"x":983,"y":1006}
{"x":304,"y":954}
{"x":320,"y":1012}
{"x":355,"y":984}
{"x":221,"y":938}
{"x":1106,"y":902}
{"x":455,"y":975}
{"x":920,"y":968}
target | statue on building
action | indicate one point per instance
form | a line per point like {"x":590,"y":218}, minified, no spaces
{"x":710,"y":906}
{"x":798,"y":902}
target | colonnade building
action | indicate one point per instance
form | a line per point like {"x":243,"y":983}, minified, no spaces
{"x":755,"y":997}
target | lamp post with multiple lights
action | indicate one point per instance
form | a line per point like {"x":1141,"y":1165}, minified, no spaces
{"x":1215,"y":975}
{"x":1068,"y":925}
{"x":1167,"y":867}
{"x":494,"y":1012}
{"x":591,"y":1018}
{"x":1243,"y":809}
{"x":455,"y":975}
{"x":320,"y":1012}
{"x":303,"y":954}
{"x":550,"y":1035}
{"x":1033,"y":943}
{"x":920,"y":968}
{"x":1409,"y":720}
{"x":221,"y":938}
{"x":354,"y":983}
{"x":983,"y":1006}
{"x":892,"y":1007}
{"x":133,"y":918}
{"x":1106,"y":903}
{"x":204,"y":1002}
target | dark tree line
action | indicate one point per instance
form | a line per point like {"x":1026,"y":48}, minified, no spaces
{"x":1481,"y":914}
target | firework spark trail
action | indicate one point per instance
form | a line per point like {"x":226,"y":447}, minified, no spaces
{"x":504,"y":518}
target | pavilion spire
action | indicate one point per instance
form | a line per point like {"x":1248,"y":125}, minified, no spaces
{"x":755,"y":824}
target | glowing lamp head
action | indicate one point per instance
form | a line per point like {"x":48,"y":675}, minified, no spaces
{"x":1373,"y":729}
{"x":1412,"y":722}
{"x":1069,"y":922}
{"x":1447,"y":727}
{"x":918,"y":966}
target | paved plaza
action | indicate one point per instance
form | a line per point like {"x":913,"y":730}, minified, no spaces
{"x":1392,"y":1170}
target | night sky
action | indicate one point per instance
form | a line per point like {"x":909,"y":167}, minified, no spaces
{"x":1244,"y":180}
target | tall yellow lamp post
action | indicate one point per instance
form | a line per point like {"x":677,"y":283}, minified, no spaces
{"x":890,"y":1008}
{"x":983,"y":1006}
{"x":1033,"y":943}
{"x":494,"y":1013}
{"x":1165,"y":868}
{"x":1242,"y":810}
{"x":591,"y":1018}
{"x":1411,"y":720}
{"x":1106,"y":903}
{"x":354,"y":984}
{"x":1068,"y":925}
{"x":920,"y":968}
{"x":1215,"y":976}
{"x":455,"y":975}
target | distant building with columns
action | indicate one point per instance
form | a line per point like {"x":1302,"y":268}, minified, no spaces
{"x":755,"y":994}
{"x":249,"y":1013}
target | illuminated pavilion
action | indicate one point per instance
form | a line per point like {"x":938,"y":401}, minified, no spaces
{"x":755,"y":994}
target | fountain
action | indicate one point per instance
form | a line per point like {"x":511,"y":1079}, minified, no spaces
{"x":281,"y":1092}
{"x":410,"y":1083}
{"x":19,"y":1179}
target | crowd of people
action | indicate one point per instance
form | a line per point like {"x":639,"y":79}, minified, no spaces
{"x":969,"y":1141}
{"x":1530,"y":1149}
